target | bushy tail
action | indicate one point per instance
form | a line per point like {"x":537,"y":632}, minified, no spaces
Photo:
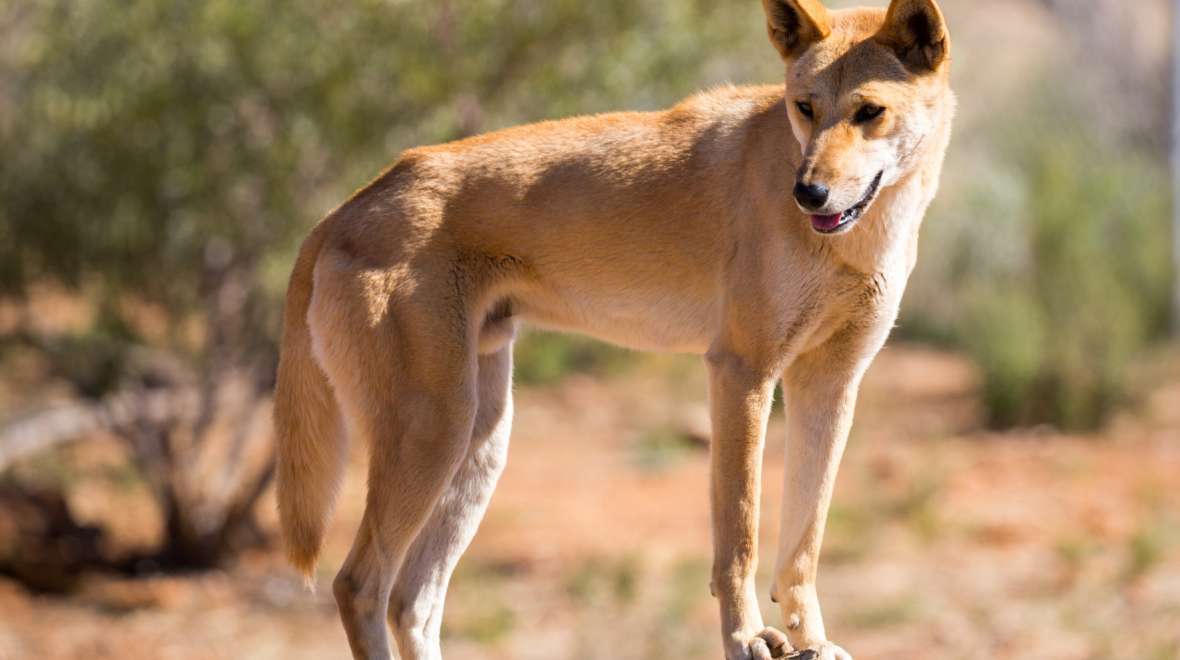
{"x":311,"y":447}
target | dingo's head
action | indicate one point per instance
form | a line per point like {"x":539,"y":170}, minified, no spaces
{"x":865,"y":89}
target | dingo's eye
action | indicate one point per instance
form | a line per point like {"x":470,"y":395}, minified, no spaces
{"x":868,"y":113}
{"x":805,"y":109}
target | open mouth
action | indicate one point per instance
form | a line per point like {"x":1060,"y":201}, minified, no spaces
{"x":840,"y":222}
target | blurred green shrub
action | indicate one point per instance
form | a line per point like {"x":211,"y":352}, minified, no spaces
{"x":175,"y":153}
{"x":544,"y":358}
{"x":168,"y":156}
{"x":147,"y":143}
{"x":1056,"y":276}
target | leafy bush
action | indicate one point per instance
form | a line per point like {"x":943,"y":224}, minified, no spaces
{"x":169,"y":156}
{"x":544,"y":358}
{"x":175,"y":154}
{"x":153,"y":149}
{"x":1056,"y":278}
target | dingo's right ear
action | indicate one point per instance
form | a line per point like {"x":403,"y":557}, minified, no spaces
{"x":916,"y":30}
{"x":796,"y":24}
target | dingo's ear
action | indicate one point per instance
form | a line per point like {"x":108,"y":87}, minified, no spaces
{"x":796,"y":24}
{"x":916,"y":31}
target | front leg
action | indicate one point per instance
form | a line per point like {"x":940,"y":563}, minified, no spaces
{"x":820,"y":391}
{"x":740,"y":397}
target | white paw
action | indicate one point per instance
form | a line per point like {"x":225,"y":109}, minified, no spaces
{"x":769,"y":644}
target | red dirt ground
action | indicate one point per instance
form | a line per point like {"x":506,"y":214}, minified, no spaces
{"x":945,"y":541}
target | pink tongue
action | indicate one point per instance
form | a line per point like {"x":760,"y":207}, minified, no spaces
{"x":826,"y":222}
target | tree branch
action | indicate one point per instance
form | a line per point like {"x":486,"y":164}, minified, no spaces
{"x":69,"y":422}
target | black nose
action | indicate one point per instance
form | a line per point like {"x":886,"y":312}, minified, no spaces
{"x":811,"y":197}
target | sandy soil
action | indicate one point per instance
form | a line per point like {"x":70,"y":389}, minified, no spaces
{"x":945,"y":541}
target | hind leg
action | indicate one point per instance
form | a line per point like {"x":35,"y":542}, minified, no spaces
{"x":408,"y":475}
{"x":416,"y":605}
{"x":407,"y":386}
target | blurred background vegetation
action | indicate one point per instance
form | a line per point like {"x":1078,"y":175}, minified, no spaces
{"x":160,"y":162}
{"x":175,"y":153}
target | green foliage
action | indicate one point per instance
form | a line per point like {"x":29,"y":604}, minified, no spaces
{"x":1096,"y":292}
{"x":176,"y":153}
{"x":1058,"y":277}
{"x":152,"y":147}
{"x":544,"y":358}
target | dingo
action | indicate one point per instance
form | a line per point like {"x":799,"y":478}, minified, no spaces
{"x":770,"y":229}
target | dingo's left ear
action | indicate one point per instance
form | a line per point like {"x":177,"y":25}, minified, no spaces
{"x":796,"y":24}
{"x":916,"y":30}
